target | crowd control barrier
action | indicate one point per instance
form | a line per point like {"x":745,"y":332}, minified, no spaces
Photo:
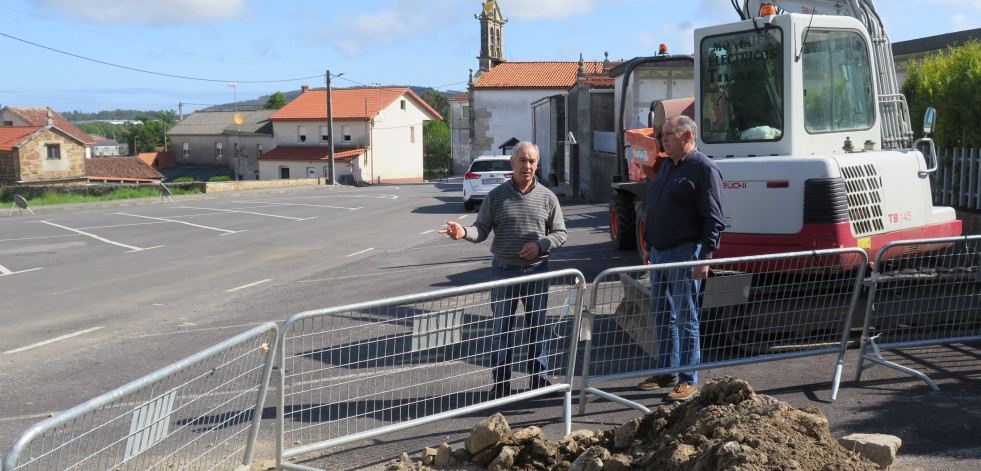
{"x":362,"y":370}
{"x":199,"y":413}
{"x":752,"y":309}
{"x":922,"y":292}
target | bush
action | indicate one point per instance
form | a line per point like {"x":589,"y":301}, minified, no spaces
{"x":222,"y":178}
{"x":948,"y":81}
{"x":183,"y":179}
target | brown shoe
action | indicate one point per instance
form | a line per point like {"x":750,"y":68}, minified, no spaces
{"x":658,"y":382}
{"x":683,"y":392}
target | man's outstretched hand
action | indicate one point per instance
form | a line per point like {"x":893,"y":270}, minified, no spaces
{"x":454,"y":230}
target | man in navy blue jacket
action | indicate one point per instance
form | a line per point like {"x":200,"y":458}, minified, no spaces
{"x":683,"y":223}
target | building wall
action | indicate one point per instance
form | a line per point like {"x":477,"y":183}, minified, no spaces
{"x":271,"y":169}
{"x":396,"y":150}
{"x":499,"y":115}
{"x":201,"y":151}
{"x":459,"y":137}
{"x":287,"y":133}
{"x":33,"y":164}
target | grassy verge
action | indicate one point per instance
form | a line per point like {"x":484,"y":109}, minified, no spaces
{"x":53,"y":197}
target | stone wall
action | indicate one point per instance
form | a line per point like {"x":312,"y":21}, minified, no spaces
{"x":218,"y":187}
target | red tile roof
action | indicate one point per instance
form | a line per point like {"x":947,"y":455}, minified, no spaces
{"x":347,"y":103}
{"x":120,"y":168}
{"x":461,"y":97}
{"x":535,"y":75}
{"x":312,"y":154}
{"x":36,"y":116}
{"x":163,"y":159}
{"x":601,"y":82}
{"x":10,"y":136}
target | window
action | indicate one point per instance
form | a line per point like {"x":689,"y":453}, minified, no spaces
{"x":311,"y":172}
{"x":346,"y":133}
{"x":742,"y":86}
{"x":284,"y":173}
{"x":218,"y":154}
{"x":258,"y":149}
{"x":186,"y":150}
{"x":323,"y":134}
{"x":403,"y":105}
{"x":8,"y":123}
{"x":301,"y":134}
{"x":412,"y":134}
{"x":837,"y":82}
{"x":466,"y":112}
{"x":54,"y":151}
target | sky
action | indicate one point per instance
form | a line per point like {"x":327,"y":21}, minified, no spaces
{"x":93,"y":55}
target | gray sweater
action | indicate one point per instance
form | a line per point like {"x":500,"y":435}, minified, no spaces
{"x":518,"y":218}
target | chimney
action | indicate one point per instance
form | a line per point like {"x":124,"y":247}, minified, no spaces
{"x":50,"y":117}
{"x":304,"y":88}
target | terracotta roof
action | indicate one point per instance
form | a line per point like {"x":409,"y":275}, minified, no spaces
{"x":461,"y":97}
{"x":347,"y":103}
{"x":36,"y":116}
{"x":163,"y":159}
{"x":535,"y":75}
{"x":601,"y":82}
{"x":10,"y":136}
{"x":120,"y":168}
{"x":311,"y":154}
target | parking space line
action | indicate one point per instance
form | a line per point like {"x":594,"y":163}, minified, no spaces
{"x":248,"y":285}
{"x":56,"y":339}
{"x":246,"y":212}
{"x":182,"y":222}
{"x":100,"y":239}
{"x":361,"y":252}
{"x":293,"y":204}
{"x":4,"y":271}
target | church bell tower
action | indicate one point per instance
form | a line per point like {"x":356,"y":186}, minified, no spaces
{"x":491,"y":42}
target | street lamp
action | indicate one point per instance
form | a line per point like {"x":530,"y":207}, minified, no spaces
{"x":330,"y":131}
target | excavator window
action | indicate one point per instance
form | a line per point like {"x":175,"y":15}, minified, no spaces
{"x":838,"y":94}
{"x":742,"y":86}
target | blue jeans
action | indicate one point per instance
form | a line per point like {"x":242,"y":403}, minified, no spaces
{"x":675,"y":309}
{"x":534,"y":296}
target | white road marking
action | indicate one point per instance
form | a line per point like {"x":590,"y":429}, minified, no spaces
{"x":4,"y":271}
{"x":385,"y":197}
{"x":245,"y":212}
{"x":100,"y":239}
{"x":361,"y":252}
{"x":295,"y":204}
{"x":182,"y":222}
{"x":427,"y":232}
{"x":56,"y":339}
{"x":248,"y":285}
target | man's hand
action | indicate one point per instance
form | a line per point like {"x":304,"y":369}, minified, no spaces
{"x":700,"y":273}
{"x":647,"y":257}
{"x":455,"y":231}
{"x":530,"y":251}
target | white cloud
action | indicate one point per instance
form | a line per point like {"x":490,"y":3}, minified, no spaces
{"x":961,"y":22}
{"x":149,"y":12}
{"x":549,"y":9}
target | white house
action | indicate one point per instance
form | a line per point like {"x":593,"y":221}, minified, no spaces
{"x":377,"y":136}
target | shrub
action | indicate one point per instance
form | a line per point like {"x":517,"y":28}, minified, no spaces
{"x":183,"y":179}
{"x":222,"y":178}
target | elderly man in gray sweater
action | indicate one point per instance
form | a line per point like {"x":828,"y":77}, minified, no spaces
{"x":527,"y":223}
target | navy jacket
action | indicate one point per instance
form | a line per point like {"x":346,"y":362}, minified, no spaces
{"x":684,"y":204}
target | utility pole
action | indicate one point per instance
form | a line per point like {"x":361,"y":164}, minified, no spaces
{"x":330,"y":134}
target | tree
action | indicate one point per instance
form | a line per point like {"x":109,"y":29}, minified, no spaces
{"x":436,"y":146}
{"x":439,"y":102}
{"x":276,"y":101}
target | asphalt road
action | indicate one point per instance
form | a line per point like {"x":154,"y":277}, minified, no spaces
{"x":97,"y":295}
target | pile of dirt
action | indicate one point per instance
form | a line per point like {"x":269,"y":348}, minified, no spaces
{"x":727,"y":427}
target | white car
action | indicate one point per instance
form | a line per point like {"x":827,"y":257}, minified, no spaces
{"x":486,"y":173}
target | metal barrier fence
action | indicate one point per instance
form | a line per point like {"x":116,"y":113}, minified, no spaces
{"x":358,"y":371}
{"x":752,"y":309}
{"x":199,"y":413}
{"x":923,"y":292}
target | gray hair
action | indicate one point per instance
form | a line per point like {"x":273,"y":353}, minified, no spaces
{"x":684,"y":123}
{"x":525,"y":144}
